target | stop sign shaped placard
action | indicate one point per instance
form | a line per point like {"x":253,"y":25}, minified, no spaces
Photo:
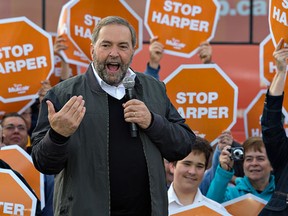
{"x":278,"y":20}
{"x":18,"y":106}
{"x":21,"y":161}
{"x":83,"y":15}
{"x":268,"y":67}
{"x":182,"y":25}
{"x":15,"y":197}
{"x":26,"y":58}
{"x":267,"y":62}
{"x":205,"y":96}
{"x":252,"y":115}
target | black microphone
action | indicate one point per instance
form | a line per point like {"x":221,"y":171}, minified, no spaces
{"x":129,"y":83}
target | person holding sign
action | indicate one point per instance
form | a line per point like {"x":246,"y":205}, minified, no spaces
{"x":83,"y":133}
{"x":274,"y":135}
{"x":15,"y":132}
{"x":257,"y":169}
{"x":188,"y":174}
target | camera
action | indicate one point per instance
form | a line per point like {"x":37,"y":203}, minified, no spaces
{"x":237,"y":153}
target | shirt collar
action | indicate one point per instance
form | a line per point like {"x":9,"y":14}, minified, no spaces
{"x":172,"y":197}
{"x":117,"y":92}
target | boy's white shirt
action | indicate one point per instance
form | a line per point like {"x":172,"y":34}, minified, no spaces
{"x":175,"y":204}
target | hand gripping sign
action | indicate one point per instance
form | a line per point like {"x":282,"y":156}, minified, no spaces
{"x":77,"y":21}
{"x":182,"y":25}
{"x":15,"y":197}
{"x":55,"y":77}
{"x":21,"y":161}
{"x":206,"y":97}
{"x":278,"y":20}
{"x":26,"y":58}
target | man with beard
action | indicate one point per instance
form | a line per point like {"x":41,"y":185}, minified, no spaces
{"x":83,"y":136}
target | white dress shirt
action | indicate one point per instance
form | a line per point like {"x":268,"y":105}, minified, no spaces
{"x":117,"y":92}
{"x":175,"y":204}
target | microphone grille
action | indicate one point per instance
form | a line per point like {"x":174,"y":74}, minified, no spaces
{"x":128,"y":82}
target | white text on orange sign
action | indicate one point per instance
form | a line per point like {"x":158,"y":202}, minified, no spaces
{"x":178,"y":21}
{"x":12,"y":208}
{"x":18,"y":51}
{"x":279,"y":15}
{"x":89,"y":20}
{"x":200,"y":112}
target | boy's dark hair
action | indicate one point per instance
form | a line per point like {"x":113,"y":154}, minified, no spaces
{"x":201,"y":145}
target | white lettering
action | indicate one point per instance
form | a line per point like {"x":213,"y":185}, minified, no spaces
{"x":15,"y":51}
{"x":184,"y":9}
{"x":22,"y":64}
{"x":12,"y":208}
{"x":200,"y":112}
{"x":201,"y":97}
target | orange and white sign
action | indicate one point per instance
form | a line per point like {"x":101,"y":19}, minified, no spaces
{"x":15,"y":197}
{"x":267,"y":62}
{"x":18,"y":106}
{"x":248,"y":205}
{"x":268,"y":66}
{"x":182,"y":25}
{"x":78,"y":19}
{"x":26,"y":58}
{"x":205,"y":96}
{"x":278,"y":20}
{"x":253,"y":114}
{"x":21,"y":161}
{"x":199,"y":209}
{"x":55,"y":77}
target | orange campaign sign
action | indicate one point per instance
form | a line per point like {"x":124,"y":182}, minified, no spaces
{"x":199,"y":209}
{"x":248,"y":205}
{"x":55,"y":77}
{"x":182,"y":25}
{"x":15,"y":197}
{"x":18,"y":106}
{"x":278,"y":20}
{"x":253,"y":114}
{"x":21,"y":161}
{"x":267,"y":62}
{"x":268,"y":67}
{"x":205,"y":96}
{"x":77,"y":21}
{"x":26,"y":52}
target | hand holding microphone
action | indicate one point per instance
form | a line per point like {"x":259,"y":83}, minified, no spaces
{"x":135,"y":111}
{"x":129,"y":83}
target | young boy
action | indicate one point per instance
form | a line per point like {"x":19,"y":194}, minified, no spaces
{"x":188,"y":174}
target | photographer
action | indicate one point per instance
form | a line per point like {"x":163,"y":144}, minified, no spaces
{"x":257,"y":169}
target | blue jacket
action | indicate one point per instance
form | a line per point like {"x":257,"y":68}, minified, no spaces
{"x":152,"y":72}
{"x":221,"y":192}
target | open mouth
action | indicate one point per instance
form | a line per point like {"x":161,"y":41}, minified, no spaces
{"x":113,"y":66}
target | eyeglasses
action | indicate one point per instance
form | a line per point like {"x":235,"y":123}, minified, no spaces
{"x":12,"y":127}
